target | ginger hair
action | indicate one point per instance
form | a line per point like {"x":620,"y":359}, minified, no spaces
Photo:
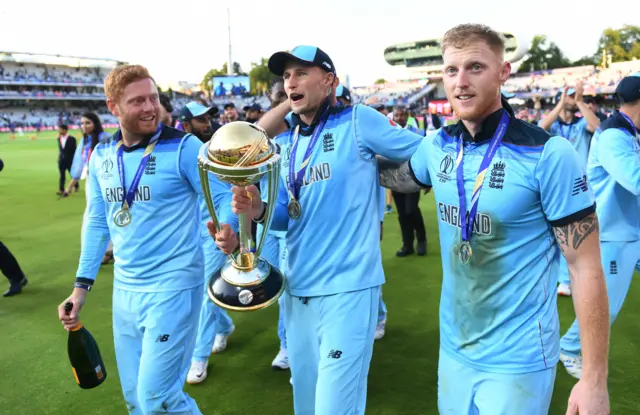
{"x":465,"y":34}
{"x":120,"y":77}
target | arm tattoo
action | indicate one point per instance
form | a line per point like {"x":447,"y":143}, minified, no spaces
{"x":573,"y":234}
{"x":397,"y":176}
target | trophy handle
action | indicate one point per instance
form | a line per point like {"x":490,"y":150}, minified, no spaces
{"x":206,"y":190}
{"x":273,"y":182}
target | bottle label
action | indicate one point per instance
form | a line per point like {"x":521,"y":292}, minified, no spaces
{"x":99,"y":372}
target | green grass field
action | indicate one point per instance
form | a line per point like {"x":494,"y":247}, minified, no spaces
{"x":35,"y":377}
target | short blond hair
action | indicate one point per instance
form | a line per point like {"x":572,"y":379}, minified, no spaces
{"x":120,"y":77}
{"x":465,"y":34}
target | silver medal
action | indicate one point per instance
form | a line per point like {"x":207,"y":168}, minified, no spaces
{"x":294,"y":209}
{"x":465,"y":252}
{"x":122,"y":217}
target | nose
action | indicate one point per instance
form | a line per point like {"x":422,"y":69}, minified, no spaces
{"x":291,"y":84}
{"x":462,"y":80}
{"x":148,"y":106}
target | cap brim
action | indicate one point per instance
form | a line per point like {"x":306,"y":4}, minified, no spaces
{"x":279,"y":60}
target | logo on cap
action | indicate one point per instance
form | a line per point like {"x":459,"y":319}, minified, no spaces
{"x":327,"y":65}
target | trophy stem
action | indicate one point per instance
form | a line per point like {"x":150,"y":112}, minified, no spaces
{"x":245,"y":259}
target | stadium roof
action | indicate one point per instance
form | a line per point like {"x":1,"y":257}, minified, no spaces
{"x":62,"y":60}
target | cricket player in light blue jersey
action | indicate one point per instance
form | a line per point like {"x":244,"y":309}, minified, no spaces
{"x":503,"y":188}
{"x":144,"y":189}
{"x":331,"y":214}
{"x":215,"y":325}
{"x":614,"y":173}
{"x":562,"y":121}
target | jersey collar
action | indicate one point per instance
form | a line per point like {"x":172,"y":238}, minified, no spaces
{"x":142,"y":144}
{"x":308,"y":129}
{"x":488,"y":126}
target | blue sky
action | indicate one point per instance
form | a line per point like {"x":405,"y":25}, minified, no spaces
{"x":181,"y":40}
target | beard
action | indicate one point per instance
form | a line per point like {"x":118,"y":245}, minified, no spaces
{"x":204,"y":136}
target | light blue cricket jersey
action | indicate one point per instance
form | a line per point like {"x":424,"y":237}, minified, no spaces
{"x":614,"y":174}
{"x":161,"y":249}
{"x":576,"y":132}
{"x":334,"y":246}
{"x":498,"y":313}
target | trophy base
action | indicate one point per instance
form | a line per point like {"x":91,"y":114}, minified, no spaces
{"x":225,"y":291}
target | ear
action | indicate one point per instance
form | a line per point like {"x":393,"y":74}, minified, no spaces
{"x":505,"y":72}
{"x":113,"y":108}
{"x":186,"y":126}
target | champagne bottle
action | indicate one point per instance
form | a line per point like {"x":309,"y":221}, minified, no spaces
{"x":84,"y":355}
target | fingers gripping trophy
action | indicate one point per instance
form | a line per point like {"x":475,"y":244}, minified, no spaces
{"x":241,"y":154}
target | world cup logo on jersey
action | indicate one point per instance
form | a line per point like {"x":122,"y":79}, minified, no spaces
{"x":241,"y":154}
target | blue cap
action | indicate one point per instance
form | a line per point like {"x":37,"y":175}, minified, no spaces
{"x":194,"y":110}
{"x":307,"y":55}
{"x":570,"y":91}
{"x":343,"y":92}
{"x":628,"y":89}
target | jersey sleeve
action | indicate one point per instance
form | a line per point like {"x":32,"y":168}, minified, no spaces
{"x":418,"y":165}
{"x":76,"y":165}
{"x":620,"y":159}
{"x":95,"y":232}
{"x":375,"y":134}
{"x":188,"y":162}
{"x":565,"y":195}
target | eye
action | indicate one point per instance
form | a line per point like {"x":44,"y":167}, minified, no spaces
{"x":476,"y":67}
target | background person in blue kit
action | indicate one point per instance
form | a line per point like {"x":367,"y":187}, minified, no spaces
{"x":143,"y":193}
{"x":331,"y":214}
{"x":499,"y":329}
{"x":614,"y":173}
{"x":215,"y":325}
{"x":563,"y":122}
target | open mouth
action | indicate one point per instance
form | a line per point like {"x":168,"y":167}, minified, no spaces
{"x":149,"y":118}
{"x":295,"y":98}
{"x":464,"y":98}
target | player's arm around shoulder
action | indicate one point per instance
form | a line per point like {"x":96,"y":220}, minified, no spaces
{"x":569,"y":205}
{"x":408,"y":176}
{"x":375,"y":135}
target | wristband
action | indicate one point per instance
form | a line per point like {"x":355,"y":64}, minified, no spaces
{"x":83,"y":286}
{"x":260,"y":218}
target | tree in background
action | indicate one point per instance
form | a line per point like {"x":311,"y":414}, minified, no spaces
{"x":544,"y":54}
{"x":381,"y":81}
{"x":620,"y":45}
{"x":260,"y":76}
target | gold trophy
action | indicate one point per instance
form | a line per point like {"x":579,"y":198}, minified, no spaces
{"x":241,"y":154}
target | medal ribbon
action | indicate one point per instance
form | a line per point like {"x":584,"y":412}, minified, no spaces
{"x":633,"y":126}
{"x":469,"y":219}
{"x":128,"y":200}
{"x":295,"y":180}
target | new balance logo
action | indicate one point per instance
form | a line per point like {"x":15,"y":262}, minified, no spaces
{"x":613,"y":268}
{"x":496,"y":181}
{"x":327,"y":142}
{"x":579,"y":185}
{"x":335,"y":354}
{"x":162,"y":338}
